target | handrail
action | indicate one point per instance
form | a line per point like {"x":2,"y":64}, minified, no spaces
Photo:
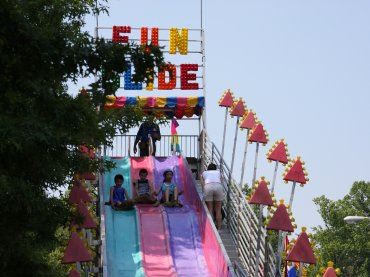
{"x":242,"y":221}
{"x":240,"y":271}
{"x":123,"y":145}
{"x":103,"y":260}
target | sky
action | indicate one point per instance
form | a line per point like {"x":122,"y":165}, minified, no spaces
{"x":302,"y":66}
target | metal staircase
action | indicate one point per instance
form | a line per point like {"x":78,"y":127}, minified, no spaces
{"x":240,"y":231}
{"x":229,"y":244}
{"x":225,"y":235}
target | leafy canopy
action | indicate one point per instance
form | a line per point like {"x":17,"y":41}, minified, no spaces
{"x":347,"y":245}
{"x":42,"y":47}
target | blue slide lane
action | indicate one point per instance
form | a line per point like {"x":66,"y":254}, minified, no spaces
{"x":122,"y":239}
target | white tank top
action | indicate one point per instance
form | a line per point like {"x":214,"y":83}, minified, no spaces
{"x":211,"y":176}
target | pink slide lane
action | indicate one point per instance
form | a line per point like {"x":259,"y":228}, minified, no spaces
{"x":155,"y":245}
{"x":154,"y":237}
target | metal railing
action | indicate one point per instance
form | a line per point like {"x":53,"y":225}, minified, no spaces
{"x":241,"y":219}
{"x":123,"y":145}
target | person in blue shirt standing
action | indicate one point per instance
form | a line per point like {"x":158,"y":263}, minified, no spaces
{"x":147,"y":128}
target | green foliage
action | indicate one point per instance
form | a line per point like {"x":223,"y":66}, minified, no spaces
{"x":30,"y":219}
{"x":347,"y":245}
{"x":53,"y":258}
{"x":273,"y":238}
{"x":42,"y":47}
{"x":246,"y":189}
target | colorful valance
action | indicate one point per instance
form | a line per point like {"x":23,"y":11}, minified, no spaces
{"x":169,"y":106}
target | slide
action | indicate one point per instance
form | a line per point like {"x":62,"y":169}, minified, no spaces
{"x":155,"y":243}
{"x":159,"y":241}
{"x":186,"y":247}
{"x":153,"y":228}
{"x":122,"y":239}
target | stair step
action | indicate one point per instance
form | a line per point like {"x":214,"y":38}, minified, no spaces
{"x":231,"y":253}
{"x":231,"y":249}
{"x":228,"y":243}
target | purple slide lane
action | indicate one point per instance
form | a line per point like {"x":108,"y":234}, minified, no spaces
{"x":186,"y":244}
{"x":183,"y":227}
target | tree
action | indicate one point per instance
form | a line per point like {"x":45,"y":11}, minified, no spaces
{"x":348,"y":246}
{"x":42,"y":47}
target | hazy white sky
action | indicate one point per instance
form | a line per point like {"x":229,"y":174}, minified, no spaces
{"x":302,"y":66}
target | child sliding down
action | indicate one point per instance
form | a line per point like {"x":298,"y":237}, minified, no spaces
{"x":169,"y":191}
{"x":144,"y":189}
{"x":119,"y":199}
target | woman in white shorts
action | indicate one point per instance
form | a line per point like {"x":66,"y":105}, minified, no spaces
{"x":213,"y":192}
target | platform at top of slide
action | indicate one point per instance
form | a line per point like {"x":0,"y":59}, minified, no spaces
{"x":165,"y":241}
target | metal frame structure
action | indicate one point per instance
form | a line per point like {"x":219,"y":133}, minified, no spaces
{"x":103,"y":249}
{"x":200,"y":51}
{"x":243,"y":222}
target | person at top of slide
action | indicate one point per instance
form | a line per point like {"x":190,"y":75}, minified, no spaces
{"x":213,"y":192}
{"x":119,"y":199}
{"x":169,"y":190}
{"x":144,"y":189}
{"x":148,"y":127}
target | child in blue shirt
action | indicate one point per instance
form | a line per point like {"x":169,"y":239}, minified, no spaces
{"x":169,"y":191}
{"x":119,"y":199}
